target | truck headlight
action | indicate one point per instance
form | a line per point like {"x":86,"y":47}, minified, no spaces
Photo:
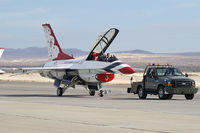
{"x":169,"y":84}
{"x":193,"y":83}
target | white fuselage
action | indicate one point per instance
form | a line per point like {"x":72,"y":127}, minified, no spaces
{"x":86,"y":70}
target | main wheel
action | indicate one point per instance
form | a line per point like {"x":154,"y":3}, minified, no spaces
{"x":92,"y":92}
{"x":141,"y":93}
{"x":59,"y":91}
{"x":189,"y":96}
{"x":161,"y":93}
{"x":92,"y":89}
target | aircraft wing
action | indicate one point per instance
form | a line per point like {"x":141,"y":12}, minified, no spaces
{"x":40,"y":69}
{"x":27,"y":70}
{"x":43,"y":68}
{"x":2,"y":72}
{"x":56,"y":68}
{"x":33,"y":69}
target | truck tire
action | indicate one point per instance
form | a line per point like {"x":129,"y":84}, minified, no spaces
{"x":141,"y":93}
{"x":161,"y":94}
{"x":128,"y":90}
{"x":189,"y":96}
{"x":169,"y":96}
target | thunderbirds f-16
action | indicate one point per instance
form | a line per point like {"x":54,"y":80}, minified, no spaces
{"x":90,"y":72}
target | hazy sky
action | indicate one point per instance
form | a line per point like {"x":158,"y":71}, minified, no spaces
{"x":153,"y":25}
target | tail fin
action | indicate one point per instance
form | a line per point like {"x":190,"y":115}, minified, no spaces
{"x":54,"y":50}
{"x":1,"y":51}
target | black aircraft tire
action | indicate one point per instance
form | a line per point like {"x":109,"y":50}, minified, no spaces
{"x":189,"y":96}
{"x":92,"y":92}
{"x":161,"y":94}
{"x":101,"y":95}
{"x":59,"y":91}
{"x":141,"y":93}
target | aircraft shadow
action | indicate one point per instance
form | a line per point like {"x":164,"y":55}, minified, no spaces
{"x":43,"y":95}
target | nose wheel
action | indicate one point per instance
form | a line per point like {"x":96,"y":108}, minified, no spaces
{"x":101,"y":93}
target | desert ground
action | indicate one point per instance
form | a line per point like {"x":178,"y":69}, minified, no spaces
{"x":183,"y":62}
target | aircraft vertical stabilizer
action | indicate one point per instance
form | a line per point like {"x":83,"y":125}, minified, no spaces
{"x":54,"y":50}
{"x":1,"y":51}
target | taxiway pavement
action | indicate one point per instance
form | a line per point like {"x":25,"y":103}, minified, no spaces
{"x":34,"y":107}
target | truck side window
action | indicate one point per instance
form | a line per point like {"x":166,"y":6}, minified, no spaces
{"x":149,"y":72}
{"x":152,"y":73}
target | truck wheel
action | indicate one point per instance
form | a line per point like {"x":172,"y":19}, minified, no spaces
{"x":169,"y":96}
{"x":128,"y":90}
{"x":189,"y":96}
{"x":141,"y":93}
{"x":161,"y":93}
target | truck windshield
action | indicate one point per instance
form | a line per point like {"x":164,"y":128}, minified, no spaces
{"x":168,"y":72}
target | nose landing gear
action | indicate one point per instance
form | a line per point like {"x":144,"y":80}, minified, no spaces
{"x":102,"y":92}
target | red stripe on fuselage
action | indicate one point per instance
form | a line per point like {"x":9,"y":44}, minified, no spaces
{"x":126,"y":70}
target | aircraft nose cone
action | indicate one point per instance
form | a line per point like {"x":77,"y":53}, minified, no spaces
{"x":126,"y":70}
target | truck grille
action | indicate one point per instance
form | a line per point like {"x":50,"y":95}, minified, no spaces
{"x":183,"y":83}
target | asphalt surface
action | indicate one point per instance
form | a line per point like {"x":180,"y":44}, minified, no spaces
{"x":34,"y":107}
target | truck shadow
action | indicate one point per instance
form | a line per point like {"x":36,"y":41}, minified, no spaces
{"x":148,"y":99}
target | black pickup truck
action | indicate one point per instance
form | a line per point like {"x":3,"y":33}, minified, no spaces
{"x":164,"y":81}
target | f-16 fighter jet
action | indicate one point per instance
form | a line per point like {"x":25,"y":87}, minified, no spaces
{"x":90,"y":72}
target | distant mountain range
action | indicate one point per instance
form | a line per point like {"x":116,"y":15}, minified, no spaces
{"x":36,"y":52}
{"x":41,"y":52}
{"x":136,"y":51}
{"x":189,"y":54}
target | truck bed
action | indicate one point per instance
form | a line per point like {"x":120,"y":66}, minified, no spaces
{"x":134,"y":86}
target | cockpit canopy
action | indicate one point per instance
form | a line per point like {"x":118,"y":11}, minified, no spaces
{"x":102,"y":43}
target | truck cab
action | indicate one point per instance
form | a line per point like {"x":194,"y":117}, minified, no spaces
{"x":164,"y":81}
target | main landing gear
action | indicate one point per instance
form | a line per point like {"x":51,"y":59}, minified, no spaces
{"x":59,"y":91}
{"x":92,"y":89}
{"x":64,"y":85}
{"x":92,"y":92}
